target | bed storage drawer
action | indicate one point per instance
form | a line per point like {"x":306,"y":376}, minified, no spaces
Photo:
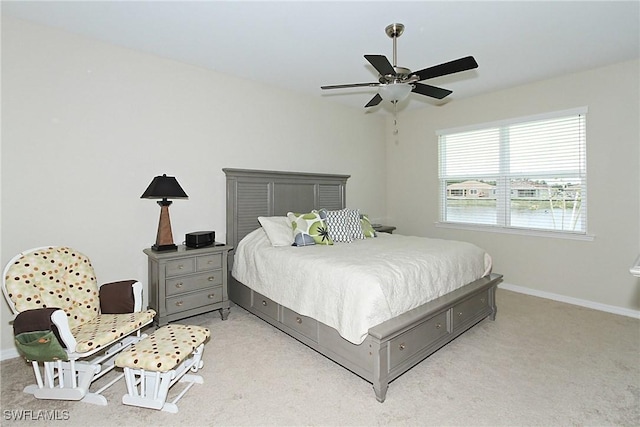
{"x":303,"y":324}
{"x":194,"y":299}
{"x":470,"y":308}
{"x":264,"y":305}
{"x":412,"y":341}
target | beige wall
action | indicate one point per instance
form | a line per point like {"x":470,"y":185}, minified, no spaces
{"x":593,"y":271}
{"x":87,"y":125}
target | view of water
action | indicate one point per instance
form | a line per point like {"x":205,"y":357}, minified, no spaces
{"x":559,"y":219}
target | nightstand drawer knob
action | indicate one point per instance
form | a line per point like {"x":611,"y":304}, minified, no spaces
{"x":211,"y":278}
{"x":298,"y":320}
{"x":264,"y":303}
{"x":179,"y":285}
{"x":438,"y":325}
{"x":181,"y":267}
{"x":211,"y":296}
{"x":402,"y":346}
{"x":179,"y":303}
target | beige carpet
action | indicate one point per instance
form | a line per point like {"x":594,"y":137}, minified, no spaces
{"x":540,"y":363}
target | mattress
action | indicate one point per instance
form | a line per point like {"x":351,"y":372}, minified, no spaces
{"x":355,"y":286}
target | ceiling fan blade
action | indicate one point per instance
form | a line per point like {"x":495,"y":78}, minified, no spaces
{"x":432,"y":91}
{"x":374,"y":101}
{"x":376,"y":84}
{"x":455,"y":66}
{"x":381,"y":64}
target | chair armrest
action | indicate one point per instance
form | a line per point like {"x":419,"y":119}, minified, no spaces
{"x":45,"y":319}
{"x":59,"y":318}
{"x":121,"y":297}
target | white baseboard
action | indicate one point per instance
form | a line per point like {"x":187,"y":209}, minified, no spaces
{"x":9,"y":354}
{"x":570,"y":300}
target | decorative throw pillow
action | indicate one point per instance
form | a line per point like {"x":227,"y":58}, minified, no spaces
{"x":367,"y":229}
{"x":344,"y":225}
{"x":309,"y":229}
{"x":278,"y":230}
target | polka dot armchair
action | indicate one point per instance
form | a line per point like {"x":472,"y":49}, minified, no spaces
{"x":67,"y":322}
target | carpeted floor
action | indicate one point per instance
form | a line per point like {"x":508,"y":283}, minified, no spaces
{"x":540,"y":363}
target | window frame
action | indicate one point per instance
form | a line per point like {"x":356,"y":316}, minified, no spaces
{"x":503,"y":200}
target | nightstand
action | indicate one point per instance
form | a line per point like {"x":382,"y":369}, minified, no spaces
{"x":384,"y":228}
{"x":186,"y":282}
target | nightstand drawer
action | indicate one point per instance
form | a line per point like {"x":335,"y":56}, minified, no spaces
{"x":184,"y":284}
{"x":180,"y":266}
{"x":194,"y":299}
{"x":209,"y":262}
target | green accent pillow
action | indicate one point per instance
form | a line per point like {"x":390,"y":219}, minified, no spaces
{"x":367,"y":229}
{"x":309,"y":229}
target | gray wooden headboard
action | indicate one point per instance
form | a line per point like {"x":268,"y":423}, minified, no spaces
{"x":254,"y":193}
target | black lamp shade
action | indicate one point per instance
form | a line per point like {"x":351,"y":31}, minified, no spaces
{"x":164,"y":187}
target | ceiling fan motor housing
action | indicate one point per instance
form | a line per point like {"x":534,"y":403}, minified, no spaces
{"x":401,"y":76}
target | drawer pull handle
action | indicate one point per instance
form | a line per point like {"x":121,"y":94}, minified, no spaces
{"x":180,"y":267}
{"x":460,"y":314}
{"x":402,"y":346}
{"x":179,"y":303}
{"x":438,"y":325}
{"x":179,"y":285}
{"x":211,"y":296}
{"x":264,"y":303}
{"x":298,"y":320}
{"x":212,"y":278}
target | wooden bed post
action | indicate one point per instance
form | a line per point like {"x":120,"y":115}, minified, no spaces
{"x":381,"y":371}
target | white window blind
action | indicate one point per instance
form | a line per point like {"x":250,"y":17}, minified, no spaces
{"x":527,"y":173}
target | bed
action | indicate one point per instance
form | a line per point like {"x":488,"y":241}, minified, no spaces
{"x":380,"y":352}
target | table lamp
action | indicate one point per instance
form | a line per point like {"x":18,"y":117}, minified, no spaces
{"x":164,"y":187}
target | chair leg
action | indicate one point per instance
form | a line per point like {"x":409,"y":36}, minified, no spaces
{"x":150,"y":389}
{"x":73,"y":381}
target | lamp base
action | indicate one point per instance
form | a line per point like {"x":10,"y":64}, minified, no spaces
{"x":160,"y":248}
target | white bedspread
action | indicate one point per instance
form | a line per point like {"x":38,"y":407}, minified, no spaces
{"x":354,"y":286}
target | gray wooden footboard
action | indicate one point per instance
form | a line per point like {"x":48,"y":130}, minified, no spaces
{"x":390,"y":348}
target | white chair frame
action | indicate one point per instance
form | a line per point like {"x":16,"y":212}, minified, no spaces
{"x":71,"y":380}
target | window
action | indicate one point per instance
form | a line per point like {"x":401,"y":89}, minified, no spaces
{"x":528,"y":173}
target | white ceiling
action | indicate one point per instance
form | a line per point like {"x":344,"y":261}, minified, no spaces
{"x":303,"y":45}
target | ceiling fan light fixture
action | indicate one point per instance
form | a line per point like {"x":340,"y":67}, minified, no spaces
{"x":395,"y":91}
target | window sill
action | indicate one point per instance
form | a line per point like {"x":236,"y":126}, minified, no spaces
{"x":517,"y":231}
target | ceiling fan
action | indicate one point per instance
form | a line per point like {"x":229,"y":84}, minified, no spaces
{"x":395,"y":83}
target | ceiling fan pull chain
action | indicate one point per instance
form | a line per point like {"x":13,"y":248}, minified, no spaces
{"x":395,"y":122}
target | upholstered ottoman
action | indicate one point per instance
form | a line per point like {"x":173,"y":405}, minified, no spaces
{"x":154,"y":364}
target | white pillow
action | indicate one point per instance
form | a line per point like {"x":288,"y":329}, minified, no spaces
{"x":278,"y":230}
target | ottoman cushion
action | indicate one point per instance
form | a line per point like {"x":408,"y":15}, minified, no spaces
{"x":164,"y":349}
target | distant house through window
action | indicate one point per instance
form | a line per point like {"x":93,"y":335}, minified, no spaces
{"x":527,"y":173}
